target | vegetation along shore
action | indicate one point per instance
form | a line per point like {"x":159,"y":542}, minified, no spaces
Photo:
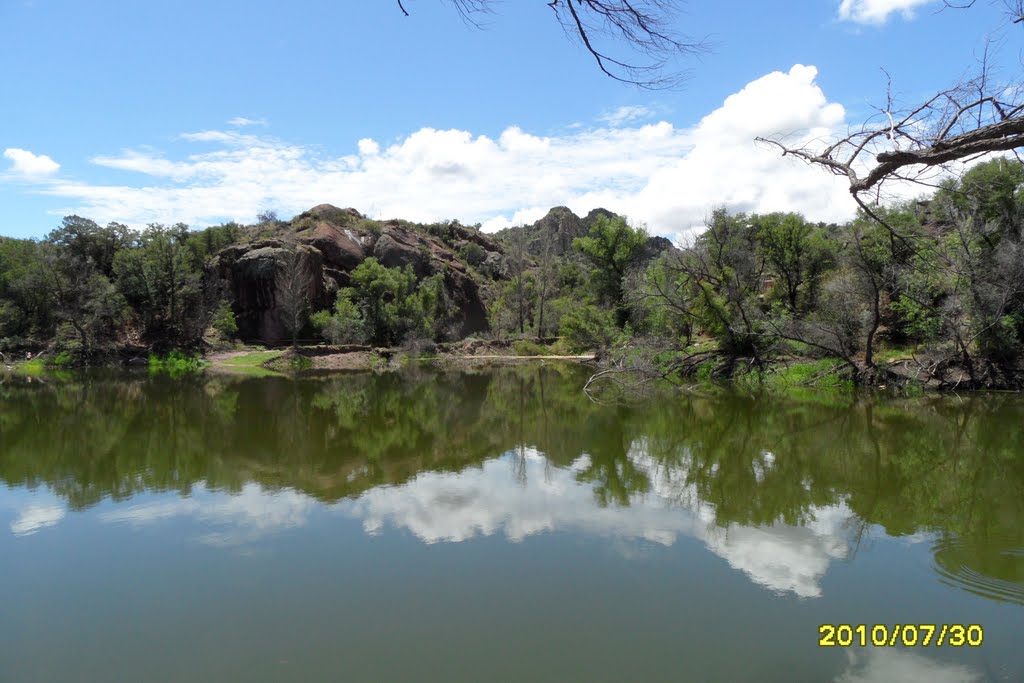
{"x":928,"y":292}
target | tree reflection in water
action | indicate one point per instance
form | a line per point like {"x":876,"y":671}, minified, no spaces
{"x":717,"y":467}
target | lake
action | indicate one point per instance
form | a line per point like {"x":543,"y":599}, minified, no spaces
{"x":499,"y":525}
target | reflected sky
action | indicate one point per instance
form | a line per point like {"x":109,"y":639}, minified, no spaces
{"x":522,"y":494}
{"x":886,"y":665}
{"x":517,"y":495}
{"x":326,"y":521}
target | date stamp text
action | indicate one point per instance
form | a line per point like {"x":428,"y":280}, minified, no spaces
{"x":907,"y":635}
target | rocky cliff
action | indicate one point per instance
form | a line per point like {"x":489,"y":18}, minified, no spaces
{"x":326,"y":243}
{"x":332,"y":243}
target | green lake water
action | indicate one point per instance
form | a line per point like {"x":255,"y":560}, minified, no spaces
{"x":498,"y":526}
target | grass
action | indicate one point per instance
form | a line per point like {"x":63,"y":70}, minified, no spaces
{"x":38,"y":367}
{"x":251,"y":364}
{"x":289,"y":362}
{"x":251,"y":370}
{"x":251,"y":360}
{"x":31,"y":368}
{"x":175,"y":364}
{"x":61,"y":360}
{"x":799,"y":376}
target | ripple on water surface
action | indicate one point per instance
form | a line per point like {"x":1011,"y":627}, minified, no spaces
{"x":990,"y":567}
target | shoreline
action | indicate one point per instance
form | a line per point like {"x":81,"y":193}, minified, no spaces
{"x":783,"y":375}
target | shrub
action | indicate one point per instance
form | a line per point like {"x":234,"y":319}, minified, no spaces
{"x":525,"y":347}
{"x":174,"y":364}
{"x":473,"y":254}
{"x":61,"y":360}
{"x":588,"y":327}
{"x":224,"y":321}
{"x":343,"y":325}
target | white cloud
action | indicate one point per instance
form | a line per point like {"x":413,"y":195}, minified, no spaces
{"x":30,"y":165}
{"x":243,"y":121}
{"x":233,"y":519}
{"x":659,"y":174}
{"x":36,"y":517}
{"x":518,"y":495}
{"x":442,"y":507}
{"x":627,"y":114}
{"x":877,"y":11}
{"x":368,"y":147}
{"x":887,"y":665}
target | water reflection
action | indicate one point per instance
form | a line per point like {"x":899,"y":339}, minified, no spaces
{"x":237,"y":519}
{"x":887,"y":665}
{"x":780,"y":490}
{"x":32,"y":518}
{"x":523,"y":494}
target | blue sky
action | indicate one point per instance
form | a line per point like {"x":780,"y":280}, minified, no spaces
{"x":208,"y":111}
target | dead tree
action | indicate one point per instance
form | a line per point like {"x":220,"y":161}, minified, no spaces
{"x":292,"y":290}
{"x":643,"y":27}
{"x":978,"y":116}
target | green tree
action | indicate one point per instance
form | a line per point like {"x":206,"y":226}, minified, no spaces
{"x":512,"y":311}
{"x":162,"y":281}
{"x":725,"y":273}
{"x":394,"y":307}
{"x":871,"y":257}
{"x":25,"y":308}
{"x":343,"y":324}
{"x":224,"y":320}
{"x":797,"y":254}
{"x":81,"y":296}
{"x":206,"y":243}
{"x":613,"y":247}
{"x":992,"y":192}
{"x":87,"y":241}
{"x":587,"y":327}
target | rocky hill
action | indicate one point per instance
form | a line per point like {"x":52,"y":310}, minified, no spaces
{"x":332,"y":242}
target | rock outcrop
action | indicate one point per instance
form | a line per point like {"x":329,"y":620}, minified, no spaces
{"x":560,"y":227}
{"x":332,"y":242}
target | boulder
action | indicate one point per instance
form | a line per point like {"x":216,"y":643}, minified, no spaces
{"x":398,"y":247}
{"x":342,"y":248}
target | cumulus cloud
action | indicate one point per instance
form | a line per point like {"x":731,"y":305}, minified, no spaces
{"x":368,"y":147}
{"x":665,"y":176}
{"x":726,"y":167}
{"x":877,"y":11}
{"x":25,"y":163}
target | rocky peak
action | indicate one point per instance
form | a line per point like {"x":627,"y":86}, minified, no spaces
{"x":331,"y":214}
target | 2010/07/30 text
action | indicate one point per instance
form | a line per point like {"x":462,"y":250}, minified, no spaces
{"x":907,"y":635}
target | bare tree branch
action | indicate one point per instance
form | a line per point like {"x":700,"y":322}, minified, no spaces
{"x":643,"y":27}
{"x":975,"y":117}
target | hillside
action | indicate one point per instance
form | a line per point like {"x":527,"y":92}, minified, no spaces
{"x":473,"y":265}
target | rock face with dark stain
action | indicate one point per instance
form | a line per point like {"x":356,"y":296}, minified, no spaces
{"x":258,"y":275}
{"x":332,"y":242}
